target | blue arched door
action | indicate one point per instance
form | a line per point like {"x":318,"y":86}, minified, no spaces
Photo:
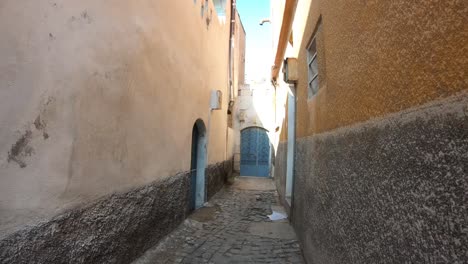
{"x":197,"y":167}
{"x":255,"y":152}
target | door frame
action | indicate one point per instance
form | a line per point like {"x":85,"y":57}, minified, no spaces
{"x":291,"y":144}
{"x":198,"y":165}
{"x":269,"y":149}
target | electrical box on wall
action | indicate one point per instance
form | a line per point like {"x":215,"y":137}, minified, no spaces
{"x":241,"y":116}
{"x":290,"y":71}
{"x":216,"y":100}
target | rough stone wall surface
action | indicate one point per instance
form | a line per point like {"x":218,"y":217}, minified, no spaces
{"x":216,"y":176}
{"x":116,"y":229}
{"x":280,"y":169}
{"x":392,"y":190}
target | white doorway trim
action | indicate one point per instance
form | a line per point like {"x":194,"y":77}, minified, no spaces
{"x":291,"y":143}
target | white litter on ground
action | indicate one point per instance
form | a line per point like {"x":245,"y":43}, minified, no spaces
{"x":275,"y":216}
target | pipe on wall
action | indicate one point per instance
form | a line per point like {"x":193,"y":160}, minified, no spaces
{"x":232,"y":26}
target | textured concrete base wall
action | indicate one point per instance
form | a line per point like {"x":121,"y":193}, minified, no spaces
{"x":216,"y":176}
{"x":393,"y":190}
{"x":115,"y":229}
{"x":280,"y":170}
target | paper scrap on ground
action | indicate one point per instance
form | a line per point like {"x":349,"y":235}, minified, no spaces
{"x":275,"y":216}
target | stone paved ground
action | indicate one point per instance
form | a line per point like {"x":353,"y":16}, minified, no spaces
{"x":233,"y":228}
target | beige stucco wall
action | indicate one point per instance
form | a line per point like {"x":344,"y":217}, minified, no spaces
{"x":238,"y":78}
{"x":104,"y":95}
{"x":239,"y":54}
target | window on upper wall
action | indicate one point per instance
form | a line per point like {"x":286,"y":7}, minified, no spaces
{"x":220,"y":6}
{"x":312,"y":65}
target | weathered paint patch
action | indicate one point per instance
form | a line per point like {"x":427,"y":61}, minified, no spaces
{"x":21,"y":149}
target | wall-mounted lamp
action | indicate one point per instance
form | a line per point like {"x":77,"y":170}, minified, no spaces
{"x":265,"y":20}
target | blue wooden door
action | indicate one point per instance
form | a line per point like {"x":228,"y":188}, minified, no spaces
{"x":255,"y":152}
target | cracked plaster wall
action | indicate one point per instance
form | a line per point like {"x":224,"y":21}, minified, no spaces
{"x":99,"y":97}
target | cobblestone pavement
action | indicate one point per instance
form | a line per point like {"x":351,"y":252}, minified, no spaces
{"x":233,"y":228}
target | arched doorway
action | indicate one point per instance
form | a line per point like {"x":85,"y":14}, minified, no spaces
{"x":255,"y":152}
{"x":197,"y":166}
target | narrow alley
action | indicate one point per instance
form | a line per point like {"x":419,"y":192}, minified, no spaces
{"x":243,"y":223}
{"x":233,"y":131}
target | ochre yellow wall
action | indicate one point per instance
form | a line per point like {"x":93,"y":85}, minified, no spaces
{"x":378,"y":57}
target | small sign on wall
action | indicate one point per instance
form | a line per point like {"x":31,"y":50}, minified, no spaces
{"x":216,"y":100}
